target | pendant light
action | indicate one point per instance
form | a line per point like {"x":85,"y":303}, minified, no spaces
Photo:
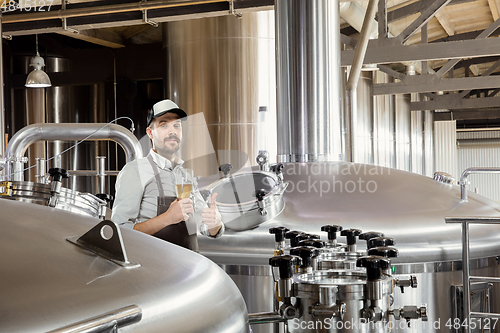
{"x":37,"y":78}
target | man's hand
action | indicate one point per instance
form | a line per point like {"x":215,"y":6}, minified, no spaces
{"x":179,"y":210}
{"x":211,"y":216}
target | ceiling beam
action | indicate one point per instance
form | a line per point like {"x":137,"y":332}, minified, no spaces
{"x":474,"y":61}
{"x":426,"y":15}
{"x":493,"y":93}
{"x":383,"y":29}
{"x":468,"y":114}
{"x":100,"y":37}
{"x":445,"y":23}
{"x":488,"y":72}
{"x":488,"y":31}
{"x":430,"y":83}
{"x":415,"y":7}
{"x":383,"y":54}
{"x":474,"y":70}
{"x":451,"y":102}
{"x":494,"y":9}
{"x":127,"y":14}
{"x":391,"y":72}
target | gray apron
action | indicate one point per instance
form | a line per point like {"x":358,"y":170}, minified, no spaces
{"x":174,"y":233}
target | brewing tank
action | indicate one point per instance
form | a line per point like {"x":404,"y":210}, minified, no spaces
{"x":49,"y":283}
{"x":408,"y":207}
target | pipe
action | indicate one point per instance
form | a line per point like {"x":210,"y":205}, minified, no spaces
{"x":352,"y":82}
{"x":265,"y":317}
{"x":101,"y":173}
{"x":463,"y":179}
{"x":353,"y":13}
{"x":308,"y":81}
{"x":466,"y":303}
{"x":2,"y":103}
{"x":101,"y":10}
{"x":66,"y":131}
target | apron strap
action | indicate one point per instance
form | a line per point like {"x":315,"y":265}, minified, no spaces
{"x":156,"y":172}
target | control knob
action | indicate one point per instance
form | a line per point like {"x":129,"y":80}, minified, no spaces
{"x":279,"y":233}
{"x":332,"y":231}
{"x":306,"y":253}
{"x":374,"y":266}
{"x":286,"y":264}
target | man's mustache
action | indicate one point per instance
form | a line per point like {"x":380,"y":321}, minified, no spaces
{"x":172,"y":138}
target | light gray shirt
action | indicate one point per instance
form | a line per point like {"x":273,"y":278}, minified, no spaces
{"x":137,"y":193}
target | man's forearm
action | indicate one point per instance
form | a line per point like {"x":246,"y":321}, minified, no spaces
{"x":153,"y":225}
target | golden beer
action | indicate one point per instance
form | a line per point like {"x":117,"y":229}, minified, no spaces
{"x":183,"y":190}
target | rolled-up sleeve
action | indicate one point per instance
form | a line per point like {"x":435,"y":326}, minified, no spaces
{"x":128,"y":196}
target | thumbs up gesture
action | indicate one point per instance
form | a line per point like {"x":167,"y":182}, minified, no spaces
{"x":211,"y":216}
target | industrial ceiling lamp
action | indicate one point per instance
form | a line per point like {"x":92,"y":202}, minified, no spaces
{"x":37,"y":78}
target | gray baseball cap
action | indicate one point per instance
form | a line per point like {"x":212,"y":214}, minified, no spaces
{"x":162,"y":107}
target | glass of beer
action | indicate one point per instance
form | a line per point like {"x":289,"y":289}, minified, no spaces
{"x":184,"y":183}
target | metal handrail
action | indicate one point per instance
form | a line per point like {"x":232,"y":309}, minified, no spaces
{"x":466,"y":277}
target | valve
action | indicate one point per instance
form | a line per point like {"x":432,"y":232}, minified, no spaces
{"x":58,"y":174}
{"x":304,"y":236}
{"x":410,"y":312}
{"x":225,"y":168}
{"x":288,"y":311}
{"x":351,"y":235}
{"x":279,"y":233}
{"x":380,"y":241}
{"x":286,"y":264}
{"x":291,"y":235}
{"x":260,"y":194}
{"x":262,"y":160}
{"x":369,"y":235}
{"x":312,"y":242}
{"x":277,"y":168}
{"x":374,"y":266}
{"x":383,"y":251}
{"x":351,"y":238}
{"x":306,"y":253}
{"x":105,"y":197}
{"x":405,"y":283}
{"x":332,"y":232}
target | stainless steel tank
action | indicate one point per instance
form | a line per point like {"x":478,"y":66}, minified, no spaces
{"x":408,"y":207}
{"x":49,"y":283}
{"x":228,"y":85}
{"x":61,"y":104}
{"x":41,"y":194}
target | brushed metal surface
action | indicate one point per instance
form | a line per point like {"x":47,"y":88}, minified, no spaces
{"x":384,"y":122}
{"x":224,"y":68}
{"x":429,"y":143}
{"x":364,"y":149}
{"x":73,"y":201}
{"x":308,"y":80}
{"x":237,"y":201}
{"x":403,"y":132}
{"x":417,"y":141}
{"x":408,"y":207}
{"x":49,"y":283}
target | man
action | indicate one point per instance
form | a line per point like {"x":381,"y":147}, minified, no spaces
{"x":145,"y":188}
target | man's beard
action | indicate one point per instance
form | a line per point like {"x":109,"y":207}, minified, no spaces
{"x":166,"y":149}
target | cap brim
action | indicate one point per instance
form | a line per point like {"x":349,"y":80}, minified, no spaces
{"x":182,"y":115}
